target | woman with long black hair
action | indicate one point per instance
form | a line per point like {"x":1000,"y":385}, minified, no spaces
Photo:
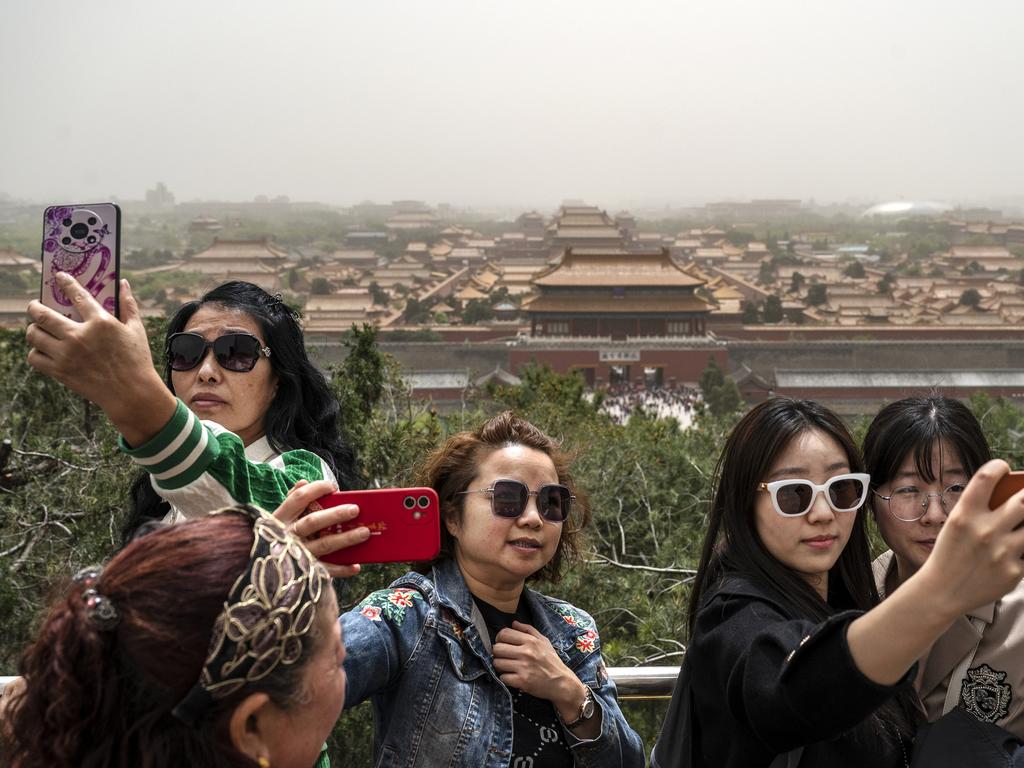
{"x":791,"y":659}
{"x":241,"y":416}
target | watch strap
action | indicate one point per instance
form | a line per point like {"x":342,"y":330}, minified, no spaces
{"x":583,"y":715}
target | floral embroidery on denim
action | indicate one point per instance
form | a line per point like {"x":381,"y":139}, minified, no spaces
{"x":389,"y":603}
{"x":586,"y":641}
{"x":571,"y":616}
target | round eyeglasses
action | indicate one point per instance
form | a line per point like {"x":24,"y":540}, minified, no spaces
{"x":910,"y":503}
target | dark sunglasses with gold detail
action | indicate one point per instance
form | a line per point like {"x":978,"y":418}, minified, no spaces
{"x":237,"y":352}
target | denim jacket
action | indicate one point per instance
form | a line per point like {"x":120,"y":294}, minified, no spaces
{"x":413,"y":649}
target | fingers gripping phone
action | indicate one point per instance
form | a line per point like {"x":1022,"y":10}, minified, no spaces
{"x":85,"y":242}
{"x":404,"y":523}
{"x":1008,"y":485}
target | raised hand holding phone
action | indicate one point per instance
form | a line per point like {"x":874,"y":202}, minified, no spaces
{"x":83,"y":241}
{"x":309,"y":525}
{"x":103,"y":358}
{"x":404,"y":525}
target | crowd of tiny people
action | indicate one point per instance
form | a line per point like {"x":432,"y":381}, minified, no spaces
{"x":213,"y":637}
{"x":675,"y":401}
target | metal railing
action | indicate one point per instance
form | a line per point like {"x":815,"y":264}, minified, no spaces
{"x":644,"y":683}
{"x":633,"y":683}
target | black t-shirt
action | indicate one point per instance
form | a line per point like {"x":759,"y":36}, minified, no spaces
{"x":538,"y":740}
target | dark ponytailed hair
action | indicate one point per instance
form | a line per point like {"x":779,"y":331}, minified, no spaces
{"x":96,"y":697}
{"x":304,"y":412}
{"x":452,"y":468}
{"x":912,"y":427}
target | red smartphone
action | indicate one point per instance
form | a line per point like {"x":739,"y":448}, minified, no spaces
{"x":85,"y":242}
{"x":1005,"y":488}
{"x":404,"y":523}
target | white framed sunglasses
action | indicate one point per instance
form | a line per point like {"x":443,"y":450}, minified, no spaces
{"x":793,"y":498}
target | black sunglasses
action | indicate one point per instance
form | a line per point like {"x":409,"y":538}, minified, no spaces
{"x":234,"y":351}
{"x":510,"y":497}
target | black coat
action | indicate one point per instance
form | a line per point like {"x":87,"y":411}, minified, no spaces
{"x":763,"y":684}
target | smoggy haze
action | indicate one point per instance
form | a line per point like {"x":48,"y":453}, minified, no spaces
{"x":527,"y":103}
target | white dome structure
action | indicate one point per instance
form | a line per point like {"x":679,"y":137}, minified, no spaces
{"x":900,"y":208}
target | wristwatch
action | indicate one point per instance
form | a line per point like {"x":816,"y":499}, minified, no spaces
{"x":586,"y":710}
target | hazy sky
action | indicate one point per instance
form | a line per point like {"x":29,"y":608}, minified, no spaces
{"x":520,"y":103}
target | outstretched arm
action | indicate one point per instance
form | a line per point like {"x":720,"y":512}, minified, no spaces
{"x":977,"y":559}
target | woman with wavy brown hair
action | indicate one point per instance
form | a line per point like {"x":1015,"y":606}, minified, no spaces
{"x":467,"y":666}
{"x":210,"y":643}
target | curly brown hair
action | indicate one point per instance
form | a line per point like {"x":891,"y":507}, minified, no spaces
{"x":452,"y":468}
{"x":96,"y":697}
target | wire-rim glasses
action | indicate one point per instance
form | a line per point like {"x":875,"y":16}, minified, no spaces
{"x":909,"y":504}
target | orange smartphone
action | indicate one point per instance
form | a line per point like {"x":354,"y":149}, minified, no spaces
{"x":1005,"y":488}
{"x":404,"y":523}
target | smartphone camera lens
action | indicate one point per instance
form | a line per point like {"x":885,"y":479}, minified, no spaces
{"x":424,"y":502}
{"x":66,"y":222}
{"x":92,"y":221}
{"x":79,"y":230}
{"x":66,"y":240}
{"x":410,"y":502}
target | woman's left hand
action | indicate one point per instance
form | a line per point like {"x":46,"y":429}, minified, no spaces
{"x":306,"y":527}
{"x":526,"y":660}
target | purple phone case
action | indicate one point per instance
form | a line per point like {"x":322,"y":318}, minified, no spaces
{"x":85,"y":242}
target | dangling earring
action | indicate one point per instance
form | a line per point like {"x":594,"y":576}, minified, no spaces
{"x":262,"y":762}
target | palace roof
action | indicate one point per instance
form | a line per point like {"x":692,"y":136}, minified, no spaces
{"x":605,"y":305}
{"x":612,"y":267}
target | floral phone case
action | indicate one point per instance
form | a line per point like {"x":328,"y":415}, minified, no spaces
{"x":85,"y":242}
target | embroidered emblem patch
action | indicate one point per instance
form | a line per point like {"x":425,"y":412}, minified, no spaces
{"x":391,"y":604}
{"x":985,"y":695}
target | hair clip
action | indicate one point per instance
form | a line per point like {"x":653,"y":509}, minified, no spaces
{"x":100,"y":610}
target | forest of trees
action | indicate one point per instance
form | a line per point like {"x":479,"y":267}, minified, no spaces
{"x":63,"y":495}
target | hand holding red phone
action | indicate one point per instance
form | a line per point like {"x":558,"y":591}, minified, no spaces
{"x":307,"y":526}
{"x":103,"y":358}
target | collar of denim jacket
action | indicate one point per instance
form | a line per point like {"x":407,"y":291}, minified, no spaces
{"x":453,"y":593}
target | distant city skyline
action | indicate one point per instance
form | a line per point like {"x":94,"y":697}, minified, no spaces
{"x":518,"y":105}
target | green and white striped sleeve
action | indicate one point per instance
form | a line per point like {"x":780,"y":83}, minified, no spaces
{"x":199,"y":466}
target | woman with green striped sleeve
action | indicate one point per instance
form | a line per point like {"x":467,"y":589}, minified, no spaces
{"x":241,"y":416}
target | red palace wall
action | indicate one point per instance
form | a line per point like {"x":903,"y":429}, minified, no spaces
{"x":680,"y":365}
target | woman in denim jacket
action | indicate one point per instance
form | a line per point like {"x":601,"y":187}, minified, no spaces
{"x":466,"y":666}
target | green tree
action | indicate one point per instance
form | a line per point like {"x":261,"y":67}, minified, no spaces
{"x":320,"y":286}
{"x":358,"y":383}
{"x":476,"y":311}
{"x":766,"y":275}
{"x":817,"y":294}
{"x":738,"y":237}
{"x":378,"y":294}
{"x":712,"y":377}
{"x":854,"y":269}
{"x":726,"y":399}
{"x":773,"y":309}
{"x":886,"y":283}
{"x":796,"y":282}
{"x":751,"y":316}
{"x":970,"y":298}
{"x":416,"y":311}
